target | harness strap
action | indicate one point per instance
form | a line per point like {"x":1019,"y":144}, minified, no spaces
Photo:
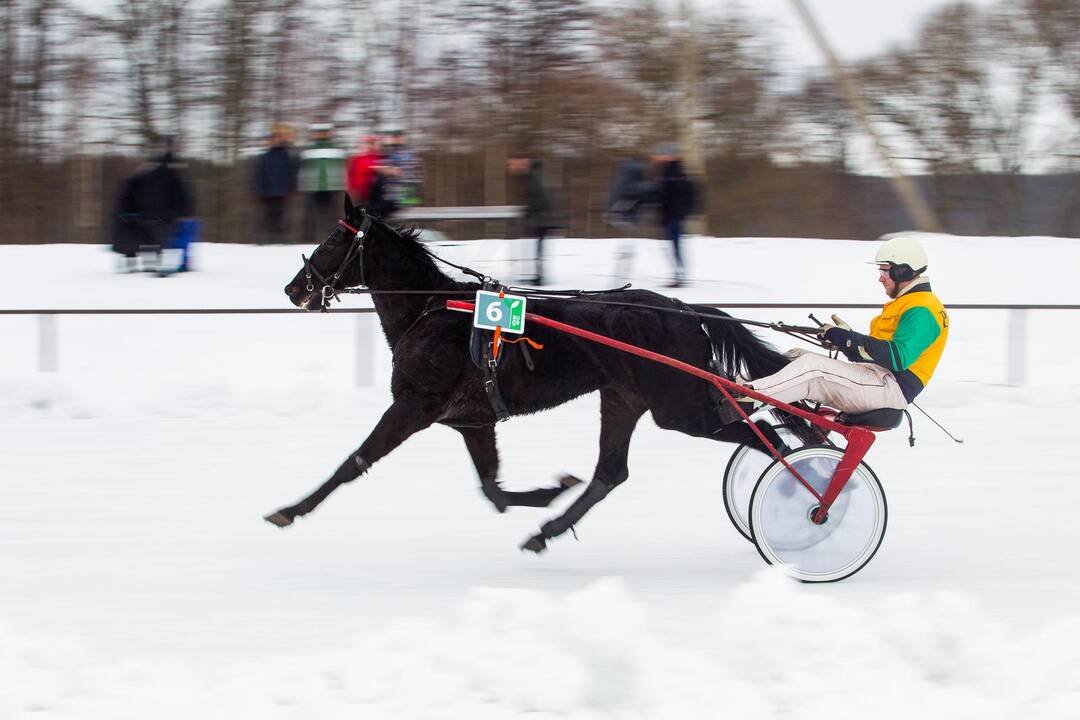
{"x":357,"y":247}
{"x":489,"y":352}
{"x":527,"y":357}
{"x":491,"y":384}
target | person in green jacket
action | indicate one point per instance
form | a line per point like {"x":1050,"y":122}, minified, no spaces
{"x":322,"y":180}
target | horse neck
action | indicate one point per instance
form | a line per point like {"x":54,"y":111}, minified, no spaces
{"x":396,"y":312}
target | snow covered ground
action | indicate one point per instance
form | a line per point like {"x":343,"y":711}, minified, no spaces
{"x":137,"y":577}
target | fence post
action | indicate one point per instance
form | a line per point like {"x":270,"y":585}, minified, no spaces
{"x":365,"y":349}
{"x":47,"y":351}
{"x":1017,"y":349}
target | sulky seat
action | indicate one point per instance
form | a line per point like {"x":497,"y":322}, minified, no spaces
{"x":882,"y":418}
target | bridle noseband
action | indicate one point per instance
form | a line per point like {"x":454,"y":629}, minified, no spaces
{"x":329,"y":288}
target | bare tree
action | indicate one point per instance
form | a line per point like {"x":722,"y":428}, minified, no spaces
{"x":964,"y":98}
{"x":821,"y":122}
{"x":1055,"y":25}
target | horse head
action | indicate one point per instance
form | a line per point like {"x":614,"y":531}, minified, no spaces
{"x":336,"y":264}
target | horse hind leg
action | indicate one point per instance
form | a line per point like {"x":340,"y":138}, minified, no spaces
{"x":480,"y":442}
{"x":618,"y":418}
{"x":401,"y":420}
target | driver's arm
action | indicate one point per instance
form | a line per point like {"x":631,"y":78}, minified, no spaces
{"x":915,"y":332}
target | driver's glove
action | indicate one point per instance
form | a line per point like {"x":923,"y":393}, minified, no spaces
{"x":835,"y":337}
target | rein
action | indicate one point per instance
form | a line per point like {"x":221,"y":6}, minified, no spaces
{"x":330,"y":290}
{"x":805,"y":333}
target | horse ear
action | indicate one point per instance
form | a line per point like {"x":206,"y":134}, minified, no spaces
{"x":348,"y":207}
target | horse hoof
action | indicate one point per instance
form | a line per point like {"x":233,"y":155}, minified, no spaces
{"x":279,"y":518}
{"x":497,"y":500}
{"x":569,"y":481}
{"x":536,"y":544}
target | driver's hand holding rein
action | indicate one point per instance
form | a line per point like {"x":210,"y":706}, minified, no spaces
{"x":830,"y":343}
{"x":890,"y":365}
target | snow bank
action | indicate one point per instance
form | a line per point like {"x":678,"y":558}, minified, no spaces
{"x":772,"y":648}
{"x":116,"y":609}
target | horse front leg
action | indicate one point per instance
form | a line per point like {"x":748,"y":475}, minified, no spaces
{"x":402,"y":419}
{"x":618,"y":418}
{"x":480,"y":442}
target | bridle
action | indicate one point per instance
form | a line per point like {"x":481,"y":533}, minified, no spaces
{"x":329,"y":286}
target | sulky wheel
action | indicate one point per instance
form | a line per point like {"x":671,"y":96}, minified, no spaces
{"x":781,"y":510}
{"x":741,"y":475}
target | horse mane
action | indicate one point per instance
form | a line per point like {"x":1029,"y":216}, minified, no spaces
{"x":407,"y":251}
{"x":410,"y":232}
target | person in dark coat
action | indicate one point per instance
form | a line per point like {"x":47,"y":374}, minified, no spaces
{"x":380,"y":201}
{"x":629,"y":190}
{"x":675,"y":196}
{"x":127,"y":232}
{"x":150,"y":203}
{"x":274,"y":180}
{"x":629,"y":194}
{"x":541,"y":213}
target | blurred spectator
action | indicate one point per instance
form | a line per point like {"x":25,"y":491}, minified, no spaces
{"x":541,"y":214}
{"x":149,"y":205}
{"x":360,"y":174}
{"x":127,"y":234}
{"x":675,"y":195}
{"x":406,"y":180}
{"x":274,"y":180}
{"x":185,"y":232}
{"x":380,"y":200}
{"x":322,"y":178}
{"x":629,"y":190}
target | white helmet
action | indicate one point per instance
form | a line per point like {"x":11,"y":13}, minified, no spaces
{"x":904,"y":255}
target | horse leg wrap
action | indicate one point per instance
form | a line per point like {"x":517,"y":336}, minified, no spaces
{"x":593,"y":494}
{"x":362,"y":465}
{"x":349,"y":470}
{"x":352,"y":468}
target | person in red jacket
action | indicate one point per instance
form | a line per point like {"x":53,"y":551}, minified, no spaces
{"x":360,"y":172}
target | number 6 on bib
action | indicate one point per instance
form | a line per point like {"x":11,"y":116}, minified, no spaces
{"x":506,"y":312}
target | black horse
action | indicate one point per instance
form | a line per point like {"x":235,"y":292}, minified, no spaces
{"x":436,"y":381}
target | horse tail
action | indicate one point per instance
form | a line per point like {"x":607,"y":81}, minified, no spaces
{"x":740,"y":351}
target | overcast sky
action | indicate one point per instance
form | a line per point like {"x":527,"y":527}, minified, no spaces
{"x":856,"y":28}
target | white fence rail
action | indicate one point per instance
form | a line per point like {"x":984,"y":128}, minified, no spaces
{"x":48,"y":345}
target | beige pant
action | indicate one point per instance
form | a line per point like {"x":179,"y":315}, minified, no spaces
{"x":849,"y":387}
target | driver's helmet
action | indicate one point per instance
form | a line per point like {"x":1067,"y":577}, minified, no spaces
{"x":904,"y":256}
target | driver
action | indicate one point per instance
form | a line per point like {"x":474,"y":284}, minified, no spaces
{"x":889,"y":366}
